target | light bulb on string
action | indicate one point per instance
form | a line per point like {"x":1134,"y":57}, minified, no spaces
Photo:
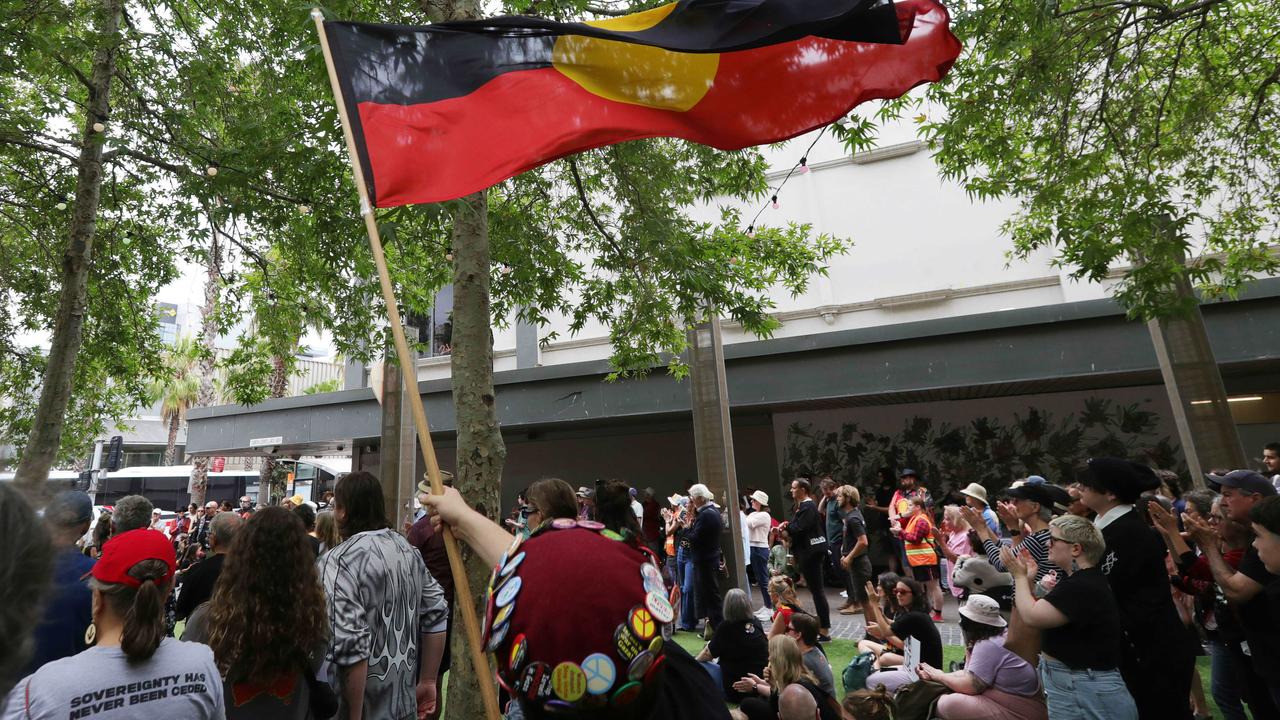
{"x":99,"y":127}
{"x":448,"y":256}
{"x":304,"y":209}
{"x":505,"y":270}
{"x":774,"y":200}
{"x":804,"y":166}
{"x":211,"y":171}
{"x":61,"y":206}
{"x":751,"y":231}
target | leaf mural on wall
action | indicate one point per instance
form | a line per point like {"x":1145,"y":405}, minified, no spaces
{"x":991,"y":450}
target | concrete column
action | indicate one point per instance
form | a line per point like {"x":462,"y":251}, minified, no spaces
{"x":397,"y":461}
{"x":528,"y":353}
{"x":713,"y":436}
{"x":1199,"y":400}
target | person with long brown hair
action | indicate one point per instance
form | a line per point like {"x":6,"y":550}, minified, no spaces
{"x":327,"y":531}
{"x":133,"y":670}
{"x":387,"y":613}
{"x":266,"y":620}
{"x":550,"y":498}
{"x":786,"y":667}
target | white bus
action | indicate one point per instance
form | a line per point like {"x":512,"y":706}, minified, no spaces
{"x":166,"y":486}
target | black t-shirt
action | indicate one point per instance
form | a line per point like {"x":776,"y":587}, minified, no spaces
{"x":741,"y":648}
{"x":921,"y":627}
{"x":1261,"y":617}
{"x":1091,"y":637}
{"x":877,"y":520}
{"x":687,"y":690}
{"x":197,"y":585}
{"x":315,"y":544}
{"x":854,"y":527}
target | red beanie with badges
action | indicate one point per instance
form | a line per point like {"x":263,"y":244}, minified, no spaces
{"x":577,"y":618}
{"x":127,"y":549}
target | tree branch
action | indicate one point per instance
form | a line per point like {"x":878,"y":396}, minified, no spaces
{"x":1260,"y":94}
{"x":586,"y":204}
{"x":33,"y":145}
{"x":84,"y":80}
{"x":610,"y":12}
{"x":111,"y":155}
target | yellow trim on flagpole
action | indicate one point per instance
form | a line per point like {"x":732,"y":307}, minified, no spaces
{"x":462,"y":588}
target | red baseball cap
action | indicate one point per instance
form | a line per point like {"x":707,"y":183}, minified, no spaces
{"x":125,"y":550}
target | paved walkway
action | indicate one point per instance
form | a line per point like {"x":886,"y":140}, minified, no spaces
{"x":853,"y":627}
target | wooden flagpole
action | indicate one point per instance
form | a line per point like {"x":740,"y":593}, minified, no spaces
{"x":462,"y":588}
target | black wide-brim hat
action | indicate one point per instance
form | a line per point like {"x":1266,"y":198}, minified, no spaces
{"x":1125,"y":479}
{"x":1047,"y":494}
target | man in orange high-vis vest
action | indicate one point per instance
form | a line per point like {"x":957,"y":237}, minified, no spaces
{"x":917,"y":540}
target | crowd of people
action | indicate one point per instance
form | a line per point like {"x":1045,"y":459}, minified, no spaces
{"x":1113,"y":585}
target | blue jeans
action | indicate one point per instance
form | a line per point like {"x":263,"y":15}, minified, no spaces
{"x":760,"y":568}
{"x":1085,"y":694}
{"x":688,"y":590}
{"x":717,"y":675}
{"x":1226,"y":677}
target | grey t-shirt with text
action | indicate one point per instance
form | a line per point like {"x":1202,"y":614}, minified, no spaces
{"x":179,"y":681}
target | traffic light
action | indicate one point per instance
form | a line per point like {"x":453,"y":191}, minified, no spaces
{"x":115,"y":453}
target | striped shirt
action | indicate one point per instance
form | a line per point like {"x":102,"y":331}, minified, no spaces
{"x":1037,"y":543}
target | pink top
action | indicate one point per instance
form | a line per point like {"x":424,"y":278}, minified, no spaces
{"x":958,"y":543}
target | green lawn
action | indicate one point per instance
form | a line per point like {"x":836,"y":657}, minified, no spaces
{"x":840,"y":652}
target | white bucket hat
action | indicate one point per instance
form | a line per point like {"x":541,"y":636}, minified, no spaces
{"x":982,"y":609}
{"x":976,"y":491}
{"x":760,"y":497}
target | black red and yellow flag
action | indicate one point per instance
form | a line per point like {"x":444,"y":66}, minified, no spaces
{"x":445,"y":110}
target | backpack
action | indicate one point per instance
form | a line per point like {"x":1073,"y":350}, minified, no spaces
{"x":856,"y":672}
{"x":917,"y":700}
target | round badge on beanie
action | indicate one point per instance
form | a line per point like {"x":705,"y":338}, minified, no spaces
{"x":577,"y":620}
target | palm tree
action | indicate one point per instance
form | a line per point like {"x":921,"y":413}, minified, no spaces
{"x":178,"y":388}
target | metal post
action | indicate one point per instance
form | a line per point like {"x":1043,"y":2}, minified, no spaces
{"x":713,"y":433}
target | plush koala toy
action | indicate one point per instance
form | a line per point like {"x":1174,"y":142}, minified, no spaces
{"x":976,"y":575}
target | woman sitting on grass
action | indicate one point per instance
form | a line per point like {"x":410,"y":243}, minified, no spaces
{"x":889,"y":609}
{"x":739,"y":645}
{"x":995,"y":683}
{"x":786,"y":668}
{"x":914,"y":623}
{"x":785,"y":604}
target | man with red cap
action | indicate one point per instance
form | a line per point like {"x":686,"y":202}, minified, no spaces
{"x":579,"y":623}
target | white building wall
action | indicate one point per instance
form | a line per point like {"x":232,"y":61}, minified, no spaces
{"x":921,"y":249}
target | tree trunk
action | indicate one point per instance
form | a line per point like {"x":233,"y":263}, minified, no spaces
{"x":43,"y":443}
{"x":173,"y":440}
{"x":208,"y":333}
{"x":267,"y":477}
{"x":481,"y":452}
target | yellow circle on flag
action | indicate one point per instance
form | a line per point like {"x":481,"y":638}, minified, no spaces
{"x":636,"y":74}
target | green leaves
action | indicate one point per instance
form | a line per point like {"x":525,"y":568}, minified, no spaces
{"x":1135,"y":137}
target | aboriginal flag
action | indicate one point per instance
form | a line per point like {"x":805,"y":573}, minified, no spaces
{"x":449,"y":109}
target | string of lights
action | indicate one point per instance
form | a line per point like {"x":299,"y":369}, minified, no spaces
{"x":802,"y":167}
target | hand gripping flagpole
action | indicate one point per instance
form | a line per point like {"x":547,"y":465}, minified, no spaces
{"x":462,"y":588}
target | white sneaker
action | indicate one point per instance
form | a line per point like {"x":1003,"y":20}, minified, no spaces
{"x":844,"y":594}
